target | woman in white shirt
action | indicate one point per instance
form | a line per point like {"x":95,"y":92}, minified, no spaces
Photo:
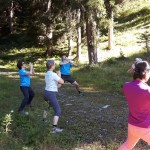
{"x":52,"y":80}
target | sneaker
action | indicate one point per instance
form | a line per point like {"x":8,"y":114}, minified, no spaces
{"x":81,"y":94}
{"x":24,"y":113}
{"x":56,"y":130}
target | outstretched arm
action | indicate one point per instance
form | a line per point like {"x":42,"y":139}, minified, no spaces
{"x":63,"y":62}
{"x":72,"y":64}
{"x":131,"y":70}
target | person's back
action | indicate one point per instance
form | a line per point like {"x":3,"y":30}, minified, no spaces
{"x":137,"y":94}
{"x":50,"y":93}
{"x":138,"y":98}
{"x":51,"y":80}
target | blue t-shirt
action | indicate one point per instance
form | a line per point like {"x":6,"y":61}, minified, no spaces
{"x":24,"y":79}
{"x":65,"y":68}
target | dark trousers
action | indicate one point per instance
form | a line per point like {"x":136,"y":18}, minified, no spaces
{"x":51,"y":97}
{"x":28,"y":94}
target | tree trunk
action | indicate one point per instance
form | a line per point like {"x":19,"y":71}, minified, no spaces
{"x":49,"y":6}
{"x":11,"y":17}
{"x":92,"y":50}
{"x":69,"y":47}
{"x":49,"y":31}
{"x":79,"y":37}
{"x":111,"y":33}
{"x":49,"y":43}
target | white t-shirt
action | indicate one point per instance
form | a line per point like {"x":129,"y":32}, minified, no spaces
{"x":51,"y":80}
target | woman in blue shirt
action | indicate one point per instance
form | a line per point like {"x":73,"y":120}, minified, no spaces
{"x":65,"y":66}
{"x":25,"y":85}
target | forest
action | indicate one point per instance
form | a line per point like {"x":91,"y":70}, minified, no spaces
{"x":68,"y":28}
{"x":103,"y":38}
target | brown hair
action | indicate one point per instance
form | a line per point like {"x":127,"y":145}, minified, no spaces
{"x":19,"y":64}
{"x":140,"y":69}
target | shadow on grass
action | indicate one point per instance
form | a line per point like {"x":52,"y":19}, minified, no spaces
{"x":137,"y":19}
{"x":17,"y":41}
{"x":144,"y":12}
{"x":21,"y":42}
{"x":32,"y":56}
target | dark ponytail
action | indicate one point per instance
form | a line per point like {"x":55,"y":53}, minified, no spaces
{"x":140,"y":70}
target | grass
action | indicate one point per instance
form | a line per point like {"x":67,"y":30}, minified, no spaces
{"x":87,"y":125}
{"x":29,"y":132}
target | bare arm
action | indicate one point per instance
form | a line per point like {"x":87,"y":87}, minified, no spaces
{"x":59,"y":73}
{"x":73,"y":64}
{"x":60,"y":81}
{"x":130,"y":70}
{"x":31,"y":72}
{"x":63,"y":63}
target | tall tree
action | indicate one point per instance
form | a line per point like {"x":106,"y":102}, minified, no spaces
{"x":109,"y":4}
{"x":7,"y":9}
{"x":11,"y":17}
{"x":92,"y":7}
{"x":49,"y":29}
{"x":78,"y":35}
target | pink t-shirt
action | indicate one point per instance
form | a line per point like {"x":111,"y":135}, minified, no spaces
{"x":137,"y":94}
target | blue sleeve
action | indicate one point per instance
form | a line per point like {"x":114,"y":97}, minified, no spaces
{"x":22,"y":72}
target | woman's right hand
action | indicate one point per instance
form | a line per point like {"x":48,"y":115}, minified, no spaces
{"x":59,"y":73}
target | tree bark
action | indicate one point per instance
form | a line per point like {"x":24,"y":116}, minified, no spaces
{"x":92,"y":50}
{"x":49,"y":43}
{"x":69,"y":47}
{"x":79,"y":36}
{"x":111,"y":33}
{"x":49,"y":31}
{"x":11,"y":24}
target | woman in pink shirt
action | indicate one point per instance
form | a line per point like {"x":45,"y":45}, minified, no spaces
{"x":137,"y":94}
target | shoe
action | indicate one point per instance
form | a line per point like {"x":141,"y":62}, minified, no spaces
{"x":81,"y":94}
{"x":24,"y":113}
{"x":56,"y":130}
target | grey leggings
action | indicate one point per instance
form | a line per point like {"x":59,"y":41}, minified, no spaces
{"x":51,"y":97}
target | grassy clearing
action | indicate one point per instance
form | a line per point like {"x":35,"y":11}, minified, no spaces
{"x":87,"y":125}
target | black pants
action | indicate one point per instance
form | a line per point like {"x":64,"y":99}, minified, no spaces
{"x":28,"y":96}
{"x":68,"y":78}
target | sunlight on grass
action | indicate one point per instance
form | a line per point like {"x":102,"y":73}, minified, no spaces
{"x":93,"y":146}
{"x":27,"y":148}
